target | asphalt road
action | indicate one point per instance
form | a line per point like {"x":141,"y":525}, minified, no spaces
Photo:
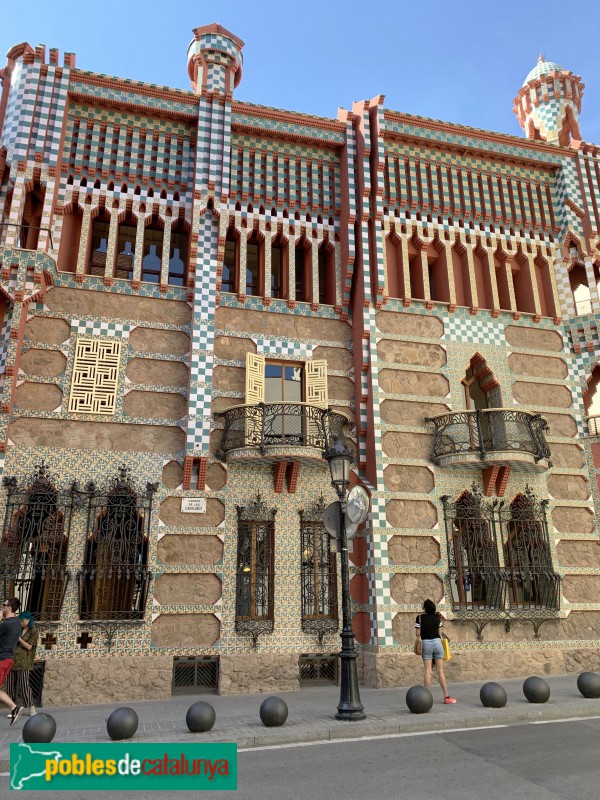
{"x":529,"y":762}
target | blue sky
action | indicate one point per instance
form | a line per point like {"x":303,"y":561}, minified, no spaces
{"x":462,"y":62}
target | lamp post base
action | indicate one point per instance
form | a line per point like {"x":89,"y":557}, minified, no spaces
{"x":350,"y":708}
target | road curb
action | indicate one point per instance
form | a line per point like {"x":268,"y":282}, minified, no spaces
{"x":415,"y":724}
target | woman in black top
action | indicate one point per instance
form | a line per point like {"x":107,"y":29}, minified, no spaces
{"x":428,"y":628}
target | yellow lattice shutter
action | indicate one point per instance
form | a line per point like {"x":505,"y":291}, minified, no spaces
{"x":255,"y":378}
{"x":316,"y":383}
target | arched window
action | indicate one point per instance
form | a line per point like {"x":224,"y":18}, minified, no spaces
{"x":532,"y":580}
{"x":415,"y":267}
{"x":395,"y":280}
{"x":114,"y":577}
{"x":33,"y":549}
{"x":279,"y":267}
{"x":32,"y":216}
{"x":70,"y":236}
{"x":483,"y":281}
{"x":303,"y":270}
{"x":523,"y":286}
{"x":255,"y":255}
{"x":254,"y":598}
{"x":125,"y":257}
{"x":231,"y":262}
{"x":460,"y":269}
{"x":178,"y":253}
{"x":482,"y":392}
{"x":591,"y":400}
{"x":582,"y":297}
{"x":318,"y":575}
{"x":153,"y":248}
{"x":327,"y":274}
{"x":544,"y":286}
{"x":501,"y":265}
{"x":99,"y":243}
{"x":473,"y":557}
{"x":439,"y":286}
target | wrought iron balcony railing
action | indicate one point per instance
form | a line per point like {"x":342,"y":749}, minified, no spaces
{"x":266,"y":426}
{"x":492,"y":435}
{"x":505,"y":589}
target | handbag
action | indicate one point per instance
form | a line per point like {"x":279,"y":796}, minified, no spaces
{"x":446,"y":647}
{"x":418,"y":648}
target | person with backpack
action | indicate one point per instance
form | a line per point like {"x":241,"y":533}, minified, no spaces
{"x":18,"y":684}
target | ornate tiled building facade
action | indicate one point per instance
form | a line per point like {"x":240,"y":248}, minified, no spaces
{"x":196,"y":291}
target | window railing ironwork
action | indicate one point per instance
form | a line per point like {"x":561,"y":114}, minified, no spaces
{"x":486,"y":431}
{"x":499,"y":555}
{"x":114,"y":578}
{"x":278,"y":425}
{"x":254,"y":601}
{"x":35,"y":539}
{"x":4,"y":226}
{"x":318,"y":573}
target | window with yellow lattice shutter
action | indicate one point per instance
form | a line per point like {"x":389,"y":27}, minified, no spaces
{"x":95,"y":376}
{"x":255,"y":378}
{"x":316,"y":383}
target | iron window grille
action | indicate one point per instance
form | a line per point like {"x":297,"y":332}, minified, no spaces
{"x":478,"y":531}
{"x":254,"y":602}
{"x":35,"y":539}
{"x":318,"y":573}
{"x":476,"y":578}
{"x":532,"y":582}
{"x":114,"y":578}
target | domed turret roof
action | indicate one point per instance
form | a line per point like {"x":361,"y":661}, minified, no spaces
{"x":543,"y":67}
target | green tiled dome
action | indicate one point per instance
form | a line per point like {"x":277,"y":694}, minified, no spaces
{"x":543,"y":67}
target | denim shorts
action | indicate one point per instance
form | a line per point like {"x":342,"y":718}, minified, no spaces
{"x":432,"y":649}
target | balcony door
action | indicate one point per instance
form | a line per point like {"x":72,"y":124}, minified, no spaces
{"x":285,"y":383}
{"x":281,"y":398}
{"x":482,"y":392}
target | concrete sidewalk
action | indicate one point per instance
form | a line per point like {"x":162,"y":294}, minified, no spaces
{"x":311,"y":715}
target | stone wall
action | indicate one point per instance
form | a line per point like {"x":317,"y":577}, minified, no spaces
{"x":386,"y":670}
{"x":106,"y":679}
{"x":260,"y":672}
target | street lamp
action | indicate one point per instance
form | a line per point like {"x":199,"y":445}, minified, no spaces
{"x":339,"y":456}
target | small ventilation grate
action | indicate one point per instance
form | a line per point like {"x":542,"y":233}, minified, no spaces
{"x":318,"y":668}
{"x":194,"y":675}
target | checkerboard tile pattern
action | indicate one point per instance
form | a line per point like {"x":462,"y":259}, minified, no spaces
{"x":284,"y":348}
{"x":100,"y":327}
{"x":477,"y":330}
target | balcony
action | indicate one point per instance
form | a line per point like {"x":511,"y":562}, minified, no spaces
{"x":491,"y":437}
{"x":273,"y":431}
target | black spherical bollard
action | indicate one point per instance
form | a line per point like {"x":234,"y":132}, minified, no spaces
{"x":273,"y":712}
{"x":40,"y":728}
{"x":588,"y":684}
{"x":200,"y":717}
{"x":536,"y":690}
{"x":419,"y":700}
{"x":122,"y":723}
{"x":492,"y":695}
